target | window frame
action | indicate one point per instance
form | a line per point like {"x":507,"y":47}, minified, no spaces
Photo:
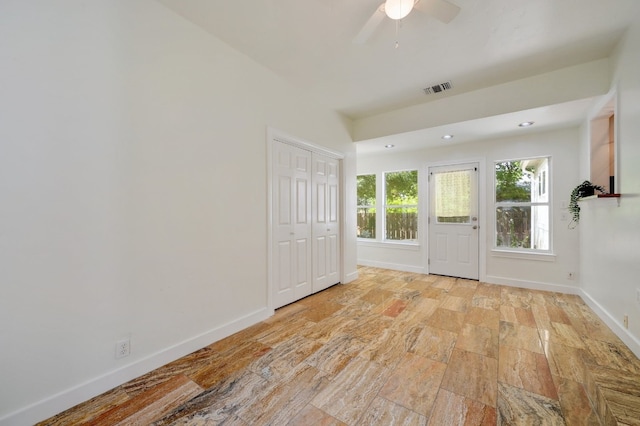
{"x":536,"y":187}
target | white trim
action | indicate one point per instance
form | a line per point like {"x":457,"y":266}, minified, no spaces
{"x":280,"y":136}
{"x":350,"y":277}
{"x":392,"y":266}
{"x":629,"y":339}
{"x":514,"y":254}
{"x":61,"y":401}
{"x":532,"y":285}
{"x":389,"y":245}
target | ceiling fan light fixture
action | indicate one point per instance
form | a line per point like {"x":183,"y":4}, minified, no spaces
{"x":398,"y":9}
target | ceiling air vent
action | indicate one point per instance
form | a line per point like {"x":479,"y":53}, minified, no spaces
{"x":442,"y":87}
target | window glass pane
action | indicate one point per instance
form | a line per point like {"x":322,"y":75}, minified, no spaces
{"x":453,"y":196}
{"x":522,"y":227}
{"x":401,"y":209}
{"x":366,"y":213}
{"x":367,"y":190}
{"x":512,"y":183}
{"x":402,"y":223}
{"x":402,"y":187}
{"x":366,"y":222}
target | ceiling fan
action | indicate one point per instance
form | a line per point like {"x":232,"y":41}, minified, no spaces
{"x":442,"y":10}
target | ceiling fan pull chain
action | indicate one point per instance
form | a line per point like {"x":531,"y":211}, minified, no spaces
{"x":397,"y":43}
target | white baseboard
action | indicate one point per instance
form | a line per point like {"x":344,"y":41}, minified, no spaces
{"x":533,"y":285}
{"x":392,"y":266}
{"x":352,"y":276}
{"x":629,"y":339}
{"x":68,"y":398}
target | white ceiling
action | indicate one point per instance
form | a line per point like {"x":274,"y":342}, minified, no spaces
{"x":310,"y":44}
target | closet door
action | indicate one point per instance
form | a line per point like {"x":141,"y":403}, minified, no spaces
{"x":326,"y":223}
{"x":291,"y":224}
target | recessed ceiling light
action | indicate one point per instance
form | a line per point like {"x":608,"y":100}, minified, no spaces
{"x":389,"y":145}
{"x":526,"y":124}
{"x":447,"y":137}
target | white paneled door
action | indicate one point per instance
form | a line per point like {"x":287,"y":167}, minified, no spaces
{"x":291,"y":224}
{"x":453,"y":220}
{"x":326,"y":224}
{"x":306,"y":223}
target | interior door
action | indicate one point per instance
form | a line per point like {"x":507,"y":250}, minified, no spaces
{"x":292,"y":224}
{"x":326,"y":224}
{"x":453,"y":220}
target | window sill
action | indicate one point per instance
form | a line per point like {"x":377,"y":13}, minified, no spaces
{"x":388,"y":244}
{"x":512,"y":254}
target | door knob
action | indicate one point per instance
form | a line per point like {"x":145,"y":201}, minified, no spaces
{"x":475,"y":226}
{"x":474,"y":219}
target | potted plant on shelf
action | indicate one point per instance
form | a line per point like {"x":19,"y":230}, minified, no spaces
{"x":585,"y":189}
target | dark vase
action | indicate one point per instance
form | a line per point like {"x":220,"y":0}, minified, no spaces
{"x":587,"y":192}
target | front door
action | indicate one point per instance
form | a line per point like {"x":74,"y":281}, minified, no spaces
{"x":453,"y":220}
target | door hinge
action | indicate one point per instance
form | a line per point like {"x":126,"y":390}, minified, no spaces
{"x":429,"y":219}
{"x":428,"y":261}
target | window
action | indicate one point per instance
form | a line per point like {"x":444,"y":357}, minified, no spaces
{"x":401,"y":205}
{"x":366,"y":206}
{"x":522,"y":204}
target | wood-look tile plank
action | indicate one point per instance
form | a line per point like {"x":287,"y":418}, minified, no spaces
{"x":285,"y":398}
{"x":481,"y":340}
{"x":382,"y":412}
{"x":519,"y":407}
{"x":387,"y":348}
{"x":281,"y":359}
{"x":485,"y":302}
{"x":219,"y":404}
{"x":488,"y":318}
{"x":414,"y":383}
{"x":526,"y":370}
{"x":88,"y":410}
{"x":349,"y":394}
{"x":311,"y":415}
{"x":334,"y":355}
{"x":520,"y":336}
{"x":152,"y":404}
{"x":456,"y":410}
{"x":236,"y":360}
{"x":575,"y":404}
{"x":446,"y":319}
{"x":455,"y":303}
{"x":472,"y":375}
{"x":395,"y":308}
{"x":435,"y":344}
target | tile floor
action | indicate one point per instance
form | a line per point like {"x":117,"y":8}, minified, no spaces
{"x":394,"y":348}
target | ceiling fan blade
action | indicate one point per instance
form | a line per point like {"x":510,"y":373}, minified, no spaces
{"x":442,"y":10}
{"x":372,"y":24}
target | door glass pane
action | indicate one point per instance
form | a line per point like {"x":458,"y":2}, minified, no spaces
{"x":453,"y":196}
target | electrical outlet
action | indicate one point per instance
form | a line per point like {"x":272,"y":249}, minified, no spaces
{"x":123,"y":348}
{"x":626,"y":321}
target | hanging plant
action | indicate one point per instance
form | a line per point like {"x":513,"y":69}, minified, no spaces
{"x":585,"y":189}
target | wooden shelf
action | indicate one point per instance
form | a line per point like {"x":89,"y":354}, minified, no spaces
{"x":608,"y":195}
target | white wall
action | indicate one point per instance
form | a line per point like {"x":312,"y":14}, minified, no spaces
{"x":610,"y":232}
{"x":561,"y":145}
{"x":133,"y":188}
